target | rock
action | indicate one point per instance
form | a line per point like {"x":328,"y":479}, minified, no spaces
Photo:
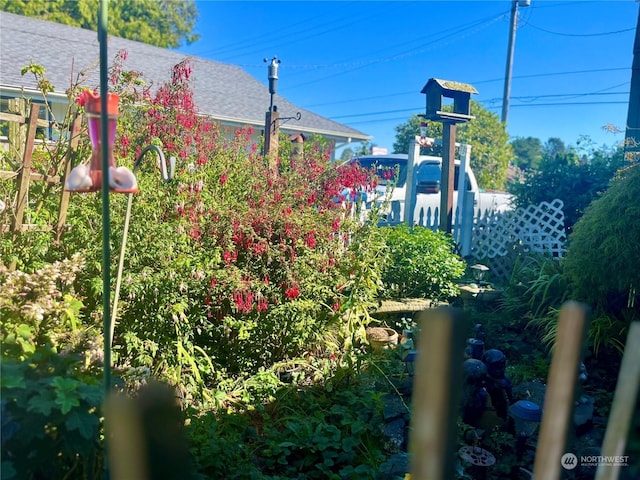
{"x":396,"y":432}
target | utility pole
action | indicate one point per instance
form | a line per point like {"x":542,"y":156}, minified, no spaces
{"x":510,"y":49}
{"x":632,"y":132}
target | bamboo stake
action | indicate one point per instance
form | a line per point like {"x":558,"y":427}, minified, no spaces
{"x":436,"y":395}
{"x":561,"y":388}
{"x":622,"y":409}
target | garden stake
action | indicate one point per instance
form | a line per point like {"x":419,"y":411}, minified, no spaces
{"x":167,"y":176}
{"x":622,"y":408}
{"x":561,"y":388}
{"x":438,"y":375}
{"x":106,"y":222}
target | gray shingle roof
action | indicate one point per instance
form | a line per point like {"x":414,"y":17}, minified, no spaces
{"x":222,"y":91}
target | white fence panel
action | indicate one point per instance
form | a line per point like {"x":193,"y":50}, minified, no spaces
{"x":536,"y":228}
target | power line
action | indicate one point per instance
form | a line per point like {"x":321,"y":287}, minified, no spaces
{"x":456,"y":31}
{"x":269,"y":36}
{"x":413,"y":92}
{"x":580,"y":34}
{"x":287,"y":40}
{"x":551,"y":104}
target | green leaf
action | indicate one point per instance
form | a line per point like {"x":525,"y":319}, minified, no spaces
{"x":12,"y":376}
{"x":85,"y":423}
{"x":92,"y":394}
{"x":42,"y":403}
{"x":67,"y":395}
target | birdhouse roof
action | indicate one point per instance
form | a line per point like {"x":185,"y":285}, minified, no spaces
{"x":450,"y":85}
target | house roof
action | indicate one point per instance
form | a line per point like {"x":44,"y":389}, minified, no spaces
{"x":222,"y":91}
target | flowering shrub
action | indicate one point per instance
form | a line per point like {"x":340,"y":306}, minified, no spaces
{"x":39,"y":309}
{"x":232,"y":266}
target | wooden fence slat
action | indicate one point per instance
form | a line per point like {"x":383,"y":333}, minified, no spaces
{"x":64,"y":198}
{"x":561,"y":387}
{"x":624,"y":402}
{"x":25,"y":173}
{"x":438,"y":374}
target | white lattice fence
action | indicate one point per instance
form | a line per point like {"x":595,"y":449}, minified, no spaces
{"x":536,"y":228}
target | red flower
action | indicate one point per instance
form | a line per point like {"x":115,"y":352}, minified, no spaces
{"x":82,"y":98}
{"x":263,"y":304}
{"x":229,"y":256}
{"x":310,"y":240}
{"x":223,"y":179}
{"x":292,"y":292}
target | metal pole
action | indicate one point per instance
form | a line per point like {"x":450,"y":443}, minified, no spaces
{"x":106,"y":252}
{"x":510,"y":48}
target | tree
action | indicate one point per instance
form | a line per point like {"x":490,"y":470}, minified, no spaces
{"x":490,"y":152}
{"x":163,"y":23}
{"x":554,"y":146}
{"x":347,"y":154}
{"x":528,"y":152}
{"x":574,"y":180}
{"x":366,"y":148}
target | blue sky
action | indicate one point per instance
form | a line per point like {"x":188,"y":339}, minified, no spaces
{"x":363,"y":63}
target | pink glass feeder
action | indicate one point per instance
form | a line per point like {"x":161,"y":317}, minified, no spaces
{"x":88,"y":178}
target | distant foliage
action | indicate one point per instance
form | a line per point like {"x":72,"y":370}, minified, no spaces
{"x":528,"y":152}
{"x":164,"y":23}
{"x":575,"y":180}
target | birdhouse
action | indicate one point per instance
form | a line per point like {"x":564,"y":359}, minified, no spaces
{"x":437,"y":90}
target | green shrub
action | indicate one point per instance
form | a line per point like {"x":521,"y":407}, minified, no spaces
{"x":420,"y":264}
{"x":328,"y":431}
{"x":602,"y":262}
{"x":50,"y":380}
{"x":51,"y":417}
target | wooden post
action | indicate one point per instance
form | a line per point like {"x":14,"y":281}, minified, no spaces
{"x":561,"y":387}
{"x":271,"y":132}
{"x":64,"y":198}
{"x":25,"y":171}
{"x":436,"y":396}
{"x":17,"y":131}
{"x":448,"y":166}
{"x":409,"y":191}
{"x":624,"y":402}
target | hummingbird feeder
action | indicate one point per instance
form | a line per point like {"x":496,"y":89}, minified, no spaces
{"x":88,"y":177}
